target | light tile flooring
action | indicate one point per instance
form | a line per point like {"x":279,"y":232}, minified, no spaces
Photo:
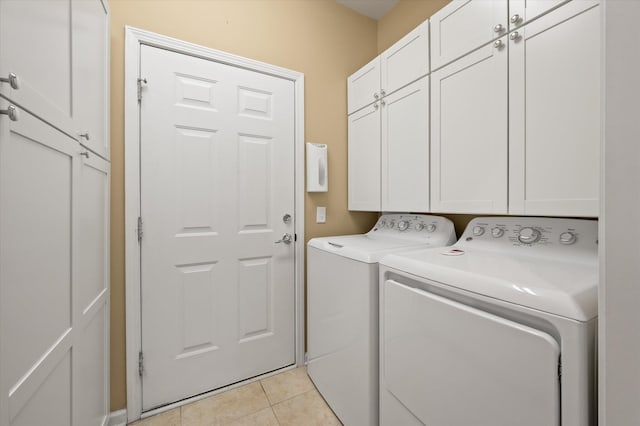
{"x":288,"y":398}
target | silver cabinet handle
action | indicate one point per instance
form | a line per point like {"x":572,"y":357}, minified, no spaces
{"x":498,"y":28}
{"x":498,"y":44}
{"x":286,"y":238}
{"x":515,"y":19}
{"x":12,"y":112}
{"x":13,"y":80}
{"x":84,"y":135}
{"x":514,"y":36}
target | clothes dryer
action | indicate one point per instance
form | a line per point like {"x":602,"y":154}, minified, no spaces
{"x":342,"y":308}
{"x":496,"y":330}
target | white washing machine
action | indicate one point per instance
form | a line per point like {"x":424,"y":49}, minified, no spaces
{"x":342,"y":308}
{"x":497,"y":330}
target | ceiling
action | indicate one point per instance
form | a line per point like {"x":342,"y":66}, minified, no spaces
{"x":375,"y":9}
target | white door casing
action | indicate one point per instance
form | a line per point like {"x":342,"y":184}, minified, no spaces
{"x":135,"y":40}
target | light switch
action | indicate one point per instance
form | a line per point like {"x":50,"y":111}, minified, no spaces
{"x":321,"y":214}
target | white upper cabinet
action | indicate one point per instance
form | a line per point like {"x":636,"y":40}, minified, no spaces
{"x":36,"y":47}
{"x":469,"y":133}
{"x":363,"y":86}
{"x":523,"y":11}
{"x":464,"y":25}
{"x":55,"y":56}
{"x":554,"y":119}
{"x":364,"y":159}
{"x":90,"y":64}
{"x":405,"y":148}
{"x":404,"y":62}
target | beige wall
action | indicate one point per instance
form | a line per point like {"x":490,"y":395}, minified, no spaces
{"x":319,"y":38}
{"x":405,"y":16}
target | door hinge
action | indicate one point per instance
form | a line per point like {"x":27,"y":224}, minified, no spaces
{"x":559,"y":369}
{"x":141,"y":81}
{"x":295,"y":237}
{"x":140,"y":363}
{"x":139,"y":229}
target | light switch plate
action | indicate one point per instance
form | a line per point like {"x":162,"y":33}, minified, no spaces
{"x":321,"y":214}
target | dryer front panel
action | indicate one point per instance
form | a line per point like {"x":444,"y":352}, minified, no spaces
{"x":451,"y":364}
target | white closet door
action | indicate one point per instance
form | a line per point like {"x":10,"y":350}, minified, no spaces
{"x":38,"y":171}
{"x":35,"y":44}
{"x":405,"y":149}
{"x":455,"y":365}
{"x":363,"y":86}
{"x":406,"y":61}
{"x":469,"y":134}
{"x":554,"y":113}
{"x":91,"y":307}
{"x":364,"y":159}
{"x":464,"y":25}
{"x":217,"y":178}
{"x":90,"y":74}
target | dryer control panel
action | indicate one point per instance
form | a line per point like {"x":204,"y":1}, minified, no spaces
{"x":419,"y":227}
{"x":533,"y":234}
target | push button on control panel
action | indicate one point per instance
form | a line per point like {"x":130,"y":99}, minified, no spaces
{"x":567,"y":238}
{"x":478,"y":230}
{"x":403,"y":225}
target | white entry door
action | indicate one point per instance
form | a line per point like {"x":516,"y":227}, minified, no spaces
{"x":217,"y":179}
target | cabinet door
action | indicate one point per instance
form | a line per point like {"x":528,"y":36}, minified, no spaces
{"x":38,"y":170}
{"x":406,"y":61}
{"x":363,"y":86}
{"x":364,"y":159}
{"x":35,"y":44}
{"x":469,"y":134}
{"x":464,"y":25}
{"x":554,"y":113}
{"x":523,"y":11}
{"x":91,"y":352}
{"x":405,"y":149}
{"x":90,"y":59}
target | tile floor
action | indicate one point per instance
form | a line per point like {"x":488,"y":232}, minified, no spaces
{"x":286,"y":399}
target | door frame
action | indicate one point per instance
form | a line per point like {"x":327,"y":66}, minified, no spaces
{"x":134,"y":39}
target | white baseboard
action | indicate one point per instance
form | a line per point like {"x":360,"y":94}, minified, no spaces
{"x":118,"y":418}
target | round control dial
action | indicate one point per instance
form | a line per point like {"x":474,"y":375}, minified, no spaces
{"x":383,"y":223}
{"x":391,"y":224}
{"x":529,"y":235}
{"x":431,"y":227}
{"x":497,"y":232}
{"x":567,"y":238}
{"x":419,"y":226}
{"x":403,"y":225}
{"x":478,"y":230}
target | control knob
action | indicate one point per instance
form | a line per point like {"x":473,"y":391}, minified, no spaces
{"x":403,"y":225}
{"x":567,"y":238}
{"x":419,"y":226}
{"x":497,"y":232}
{"x":529,"y":235}
{"x":391,"y":224}
{"x":383,"y":223}
{"x":431,"y":227}
{"x":478,"y":230}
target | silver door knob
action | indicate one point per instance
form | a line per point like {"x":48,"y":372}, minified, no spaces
{"x":12,"y":112}
{"x":498,"y":28}
{"x":286,"y":238}
{"x":13,"y":80}
{"x":514,"y":36}
{"x":286,"y":218}
{"x":515,"y":19}
{"x":498,"y":44}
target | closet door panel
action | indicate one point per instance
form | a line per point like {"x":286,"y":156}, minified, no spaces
{"x":469,"y":134}
{"x":554,"y":90}
{"x":364,"y":159}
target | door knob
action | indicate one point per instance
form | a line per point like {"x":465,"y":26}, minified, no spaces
{"x":286,"y":238}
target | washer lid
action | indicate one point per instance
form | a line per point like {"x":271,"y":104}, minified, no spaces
{"x":556,"y":286}
{"x":364,"y":248}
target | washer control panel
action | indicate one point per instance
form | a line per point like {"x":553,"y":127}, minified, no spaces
{"x":413,"y":226}
{"x":530,"y":232}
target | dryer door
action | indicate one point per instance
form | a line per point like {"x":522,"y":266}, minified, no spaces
{"x":454,"y":365}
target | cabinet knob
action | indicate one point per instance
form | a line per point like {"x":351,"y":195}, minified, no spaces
{"x":84,"y":135}
{"x":515,"y":19}
{"x":382,"y":92}
{"x":382,"y":102}
{"x":13,"y":80}
{"x":515,"y":36}
{"x":498,"y":44}
{"x":12,"y":112}
{"x":498,"y":28}
{"x":85,"y":154}
{"x":376,"y":106}
{"x":376,"y":96}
